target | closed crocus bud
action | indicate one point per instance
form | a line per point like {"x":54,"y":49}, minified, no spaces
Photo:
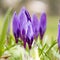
{"x":23,"y":17}
{"x":35,"y":25}
{"x":23,"y":20}
{"x":59,"y":36}
{"x":42,"y":28}
{"x":29,"y":36}
{"x":16,"y":30}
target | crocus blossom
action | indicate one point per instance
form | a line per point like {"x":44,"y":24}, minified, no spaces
{"x":42,"y":28}
{"x":59,"y":35}
{"x":23,"y":20}
{"x":16,"y":30}
{"x":24,"y":26}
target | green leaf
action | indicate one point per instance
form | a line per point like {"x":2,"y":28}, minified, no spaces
{"x":52,"y":45}
{"x":4,"y":30}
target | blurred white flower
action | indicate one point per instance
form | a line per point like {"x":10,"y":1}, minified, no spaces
{"x":37,"y":6}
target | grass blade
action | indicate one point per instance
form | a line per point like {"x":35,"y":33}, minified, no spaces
{"x":4,"y":30}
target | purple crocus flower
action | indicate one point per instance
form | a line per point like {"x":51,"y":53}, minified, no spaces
{"x":22,"y":25}
{"x":24,"y":18}
{"x":16,"y":30}
{"x":59,"y":35}
{"x":35,"y":25}
{"x":42,"y":28}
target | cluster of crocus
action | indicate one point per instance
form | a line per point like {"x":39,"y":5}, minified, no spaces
{"x":28,"y":28}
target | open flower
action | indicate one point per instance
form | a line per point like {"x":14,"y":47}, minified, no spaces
{"x":59,"y":35}
{"x":42,"y":28}
{"x":35,"y":25}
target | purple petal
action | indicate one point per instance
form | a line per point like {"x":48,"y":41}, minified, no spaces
{"x":59,"y":34}
{"x":35,"y":25}
{"x":42,"y":25}
{"x":24,"y":30}
{"x":29,"y":35}
{"x":30,"y":30}
{"x":23,"y":20}
{"x":22,"y":17}
{"x":15,"y":25}
{"x":24,"y":14}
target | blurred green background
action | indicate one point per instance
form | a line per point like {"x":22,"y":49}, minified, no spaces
{"x":51,"y":7}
